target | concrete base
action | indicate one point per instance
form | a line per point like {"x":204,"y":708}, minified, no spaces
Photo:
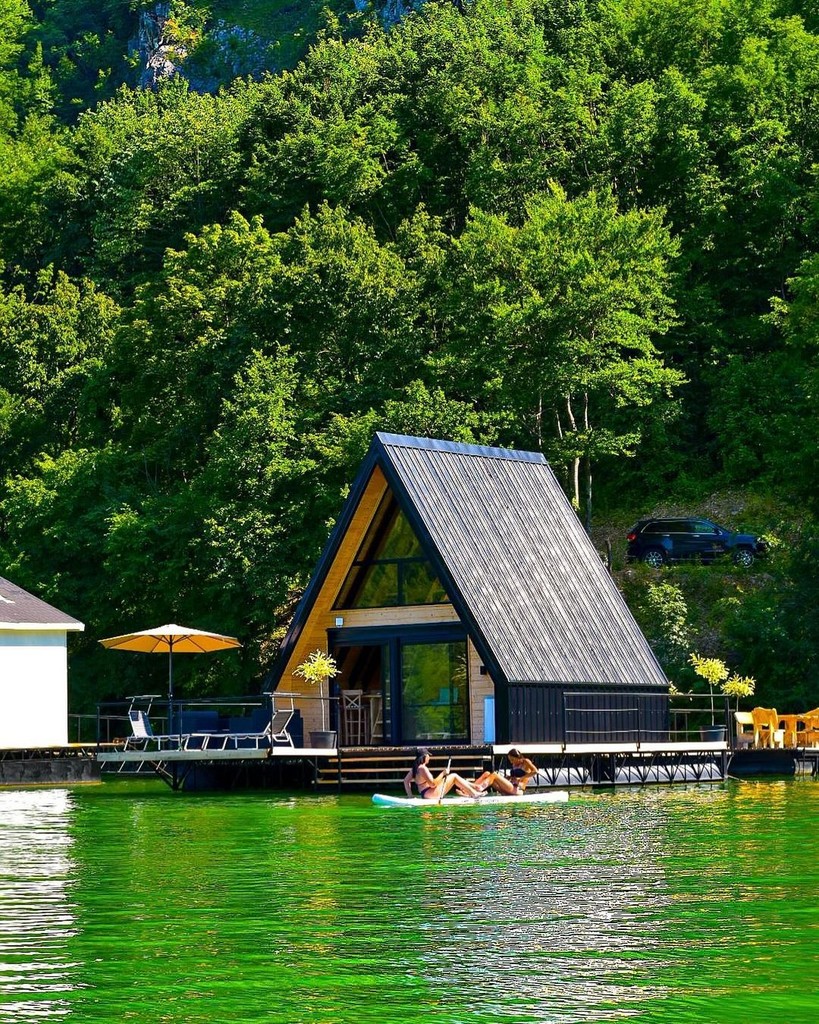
{"x":48,"y":771}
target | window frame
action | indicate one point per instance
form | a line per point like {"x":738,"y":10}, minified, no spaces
{"x":356,"y":576}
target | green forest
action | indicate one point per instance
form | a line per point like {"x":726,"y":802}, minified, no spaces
{"x":583,"y":227}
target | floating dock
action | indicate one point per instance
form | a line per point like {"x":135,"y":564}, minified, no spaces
{"x":350,"y":768}
{"x":369,"y":768}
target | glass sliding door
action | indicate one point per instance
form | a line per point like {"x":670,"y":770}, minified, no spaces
{"x":366,"y":667}
{"x":434,"y":697}
{"x":414,"y":681}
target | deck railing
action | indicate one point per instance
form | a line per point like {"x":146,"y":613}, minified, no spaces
{"x":701,"y":716}
{"x":587,"y":717}
{"x":591,"y":717}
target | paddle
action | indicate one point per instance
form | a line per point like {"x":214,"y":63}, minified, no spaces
{"x":443,"y":780}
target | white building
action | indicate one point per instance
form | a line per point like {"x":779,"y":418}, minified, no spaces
{"x":33,"y":670}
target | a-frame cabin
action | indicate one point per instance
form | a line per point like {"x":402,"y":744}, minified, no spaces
{"x":458,"y":586}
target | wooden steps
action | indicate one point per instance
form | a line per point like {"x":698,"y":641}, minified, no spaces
{"x":370,"y":768}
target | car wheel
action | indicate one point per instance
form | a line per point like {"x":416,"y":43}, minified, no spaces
{"x":654,"y":558}
{"x":744,"y":558}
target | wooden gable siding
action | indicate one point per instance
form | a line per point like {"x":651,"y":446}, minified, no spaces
{"x":313,"y":635}
{"x":400,"y":615}
{"x":322,"y":617}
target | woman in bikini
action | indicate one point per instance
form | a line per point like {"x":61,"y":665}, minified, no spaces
{"x":435,"y":787}
{"x":520,"y":773}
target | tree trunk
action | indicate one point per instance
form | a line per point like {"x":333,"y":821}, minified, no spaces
{"x":587,"y":430}
{"x":588,"y":521}
{"x":575,"y":465}
{"x":539,"y":421}
{"x":564,"y":469}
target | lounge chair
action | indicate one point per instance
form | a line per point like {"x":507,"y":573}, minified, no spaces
{"x":143,"y":736}
{"x":275,"y":732}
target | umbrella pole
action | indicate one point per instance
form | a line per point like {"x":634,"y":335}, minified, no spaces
{"x":170,"y":689}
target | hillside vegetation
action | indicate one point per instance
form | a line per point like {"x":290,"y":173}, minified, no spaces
{"x":586,"y":227}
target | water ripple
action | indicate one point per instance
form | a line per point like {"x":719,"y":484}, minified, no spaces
{"x":37,"y":919}
{"x":129,"y":903}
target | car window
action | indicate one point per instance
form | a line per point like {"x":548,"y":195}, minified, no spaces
{"x":665,"y":526}
{"x":702,"y":526}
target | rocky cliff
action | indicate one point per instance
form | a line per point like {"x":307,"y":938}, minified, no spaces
{"x":245,"y":40}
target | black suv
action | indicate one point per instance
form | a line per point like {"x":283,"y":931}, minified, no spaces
{"x":658,"y":541}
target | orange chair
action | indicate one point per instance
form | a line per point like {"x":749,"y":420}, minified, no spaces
{"x":766,"y":728}
{"x":793,"y":728}
{"x":811,"y":734}
{"x":803,"y":729}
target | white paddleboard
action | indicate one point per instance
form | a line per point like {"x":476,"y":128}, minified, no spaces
{"x":553,"y":797}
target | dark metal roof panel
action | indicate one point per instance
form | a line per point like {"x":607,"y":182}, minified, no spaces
{"x":534,"y":584}
{"x":18,"y":607}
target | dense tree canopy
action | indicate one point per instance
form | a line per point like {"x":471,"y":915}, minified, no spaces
{"x":582,"y":226}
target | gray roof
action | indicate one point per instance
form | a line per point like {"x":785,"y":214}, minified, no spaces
{"x":530,"y":578}
{"x":520,"y":569}
{"x":18,"y":608}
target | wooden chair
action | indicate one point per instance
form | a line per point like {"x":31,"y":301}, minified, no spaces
{"x":766,"y":728}
{"x":800,"y":729}
{"x":352,"y":716}
{"x":792,"y":727}
{"x":376,"y":718}
{"x":811,"y":737}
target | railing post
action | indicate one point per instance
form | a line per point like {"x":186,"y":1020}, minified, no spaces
{"x":730,"y":722}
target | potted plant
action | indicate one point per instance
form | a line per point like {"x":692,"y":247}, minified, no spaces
{"x":738,"y":686}
{"x":715,"y":673}
{"x":317,"y":670}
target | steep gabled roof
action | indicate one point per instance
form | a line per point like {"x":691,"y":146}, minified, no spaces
{"x":522,"y":574}
{"x":21,"y":610}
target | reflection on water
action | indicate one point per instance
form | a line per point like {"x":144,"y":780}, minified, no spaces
{"x":134,"y":904}
{"x":36,"y":916}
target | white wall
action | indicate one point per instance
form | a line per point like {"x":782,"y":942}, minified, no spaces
{"x":33,"y":689}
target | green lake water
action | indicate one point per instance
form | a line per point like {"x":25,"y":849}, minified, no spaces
{"x":127,"y":902}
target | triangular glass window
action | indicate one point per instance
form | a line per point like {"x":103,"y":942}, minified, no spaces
{"x":390,"y":568}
